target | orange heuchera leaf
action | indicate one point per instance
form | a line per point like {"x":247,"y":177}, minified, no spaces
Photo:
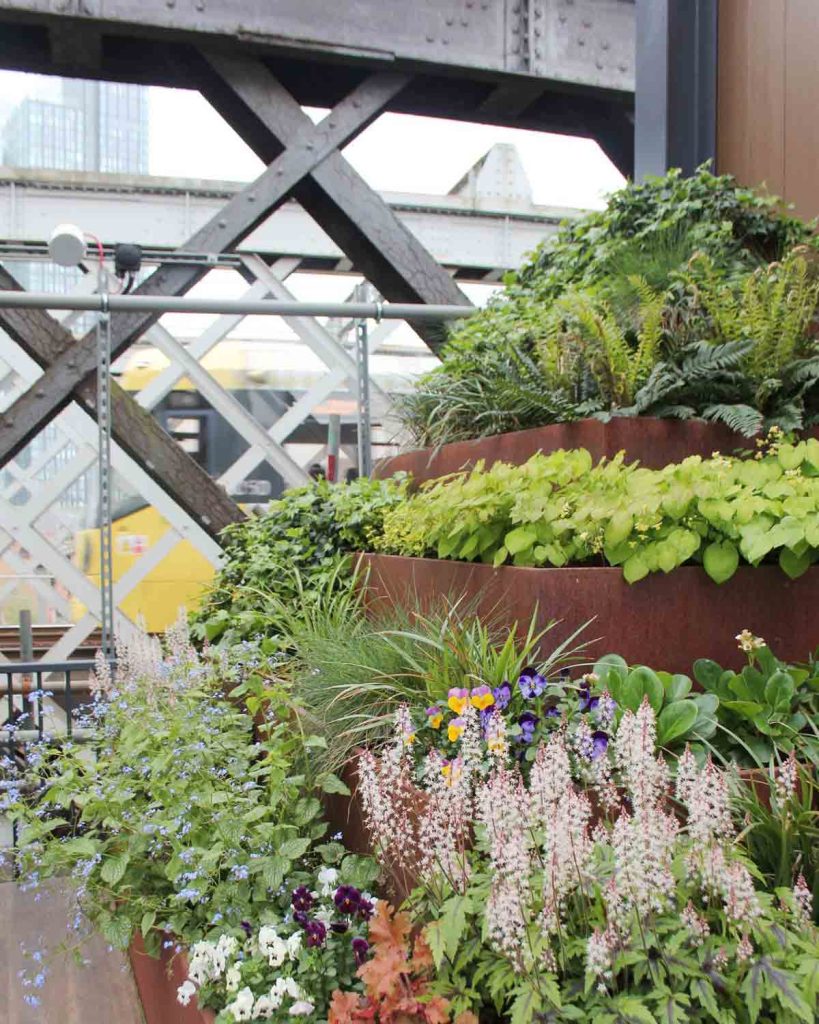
{"x":389,"y":928}
{"x":467,"y":1017}
{"x":437,"y":1010}
{"x":382,"y":975}
{"x":422,"y":955}
{"x":342,"y":1007}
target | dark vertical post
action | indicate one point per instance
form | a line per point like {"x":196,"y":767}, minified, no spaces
{"x":26,"y":635}
{"x":676,"y":87}
{"x":333,"y":444}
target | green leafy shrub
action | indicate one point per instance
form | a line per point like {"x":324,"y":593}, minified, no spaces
{"x":768,"y":708}
{"x":289,"y":552}
{"x":180,"y":820}
{"x":559,"y":509}
{"x":603,"y":317}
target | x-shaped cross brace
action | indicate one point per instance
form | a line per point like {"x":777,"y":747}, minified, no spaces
{"x":70,"y":365}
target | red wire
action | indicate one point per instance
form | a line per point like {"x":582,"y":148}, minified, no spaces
{"x":100,"y":250}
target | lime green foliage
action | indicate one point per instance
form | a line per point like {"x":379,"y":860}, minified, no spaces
{"x":560,"y":509}
{"x":179,"y":818}
{"x":769,"y":708}
{"x":297,"y":546}
{"x":606,"y":319}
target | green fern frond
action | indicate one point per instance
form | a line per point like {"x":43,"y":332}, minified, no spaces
{"x":744,"y":419}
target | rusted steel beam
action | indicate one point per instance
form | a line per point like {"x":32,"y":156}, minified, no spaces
{"x":74,"y":361}
{"x":358,"y":220}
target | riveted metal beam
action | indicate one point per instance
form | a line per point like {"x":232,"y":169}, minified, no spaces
{"x":248,"y":96}
{"x":134,"y":429}
{"x":76,"y":360}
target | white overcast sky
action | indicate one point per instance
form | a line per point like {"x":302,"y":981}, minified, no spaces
{"x":398,"y":153}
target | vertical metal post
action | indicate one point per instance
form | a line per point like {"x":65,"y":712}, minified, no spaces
{"x":333,"y":445}
{"x":104,"y":452}
{"x":362,"y":359}
{"x":26,"y":636}
{"x":676,"y":85}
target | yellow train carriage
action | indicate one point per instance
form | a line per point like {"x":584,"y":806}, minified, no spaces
{"x":180,"y":579}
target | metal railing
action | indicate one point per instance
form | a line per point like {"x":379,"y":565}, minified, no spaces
{"x":26,"y":679}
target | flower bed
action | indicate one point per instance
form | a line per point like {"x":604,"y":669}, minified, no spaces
{"x":651,"y":442}
{"x":668,"y":620}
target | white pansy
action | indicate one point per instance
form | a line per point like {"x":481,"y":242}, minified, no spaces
{"x":185,"y":992}
{"x":328,"y":879}
{"x":264,"y":1007}
{"x":242,"y":1006}
{"x":302,"y":1008}
{"x":294,"y":945}
{"x":325,"y":915}
{"x":291,"y":988}
{"x":232,"y":978}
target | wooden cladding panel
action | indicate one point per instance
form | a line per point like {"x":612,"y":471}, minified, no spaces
{"x":768,"y":97}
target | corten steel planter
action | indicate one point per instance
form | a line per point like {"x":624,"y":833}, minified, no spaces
{"x":665,"y":621}
{"x":157,"y":979}
{"x":652,"y":442}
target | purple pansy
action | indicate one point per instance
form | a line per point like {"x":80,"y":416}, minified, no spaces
{"x":316,"y":933}
{"x":502,"y":695}
{"x":587,"y":702}
{"x":302,"y":898}
{"x":600,"y":744}
{"x":551,"y":713}
{"x":365,"y":909}
{"x":531,"y":683}
{"x":360,"y":949}
{"x":528,"y":723}
{"x":339,"y":927}
{"x":347,"y":898}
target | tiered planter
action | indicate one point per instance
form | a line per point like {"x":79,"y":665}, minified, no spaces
{"x":665,"y":621}
{"x":652,"y":442}
{"x":157,"y":980}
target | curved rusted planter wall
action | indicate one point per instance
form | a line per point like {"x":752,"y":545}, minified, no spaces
{"x":666,"y":622}
{"x":157,"y":980}
{"x":652,"y":442}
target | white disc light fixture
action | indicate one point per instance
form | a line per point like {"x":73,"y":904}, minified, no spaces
{"x":66,"y":247}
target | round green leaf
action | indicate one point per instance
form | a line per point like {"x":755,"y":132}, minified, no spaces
{"x":675,"y":721}
{"x":720,"y":560}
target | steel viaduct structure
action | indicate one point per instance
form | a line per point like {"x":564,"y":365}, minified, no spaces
{"x":635,"y":75}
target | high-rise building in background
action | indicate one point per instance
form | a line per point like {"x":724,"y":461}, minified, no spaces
{"x":98,"y":126}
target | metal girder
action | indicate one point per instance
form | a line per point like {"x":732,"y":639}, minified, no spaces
{"x":676,"y":108}
{"x":587,"y":42}
{"x":251,"y":100}
{"x":135,"y":429}
{"x":69,"y":363}
{"x":477,"y":231}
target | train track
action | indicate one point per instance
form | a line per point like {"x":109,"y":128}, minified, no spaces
{"x":44,"y":638}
